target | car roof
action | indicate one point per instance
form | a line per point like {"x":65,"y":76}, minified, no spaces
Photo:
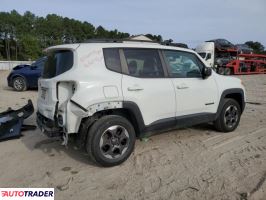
{"x":123,"y":44}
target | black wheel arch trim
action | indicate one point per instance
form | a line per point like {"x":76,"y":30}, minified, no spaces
{"x":134,"y":108}
{"x":228,"y":92}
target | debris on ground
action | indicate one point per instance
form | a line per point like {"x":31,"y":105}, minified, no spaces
{"x":11,"y":121}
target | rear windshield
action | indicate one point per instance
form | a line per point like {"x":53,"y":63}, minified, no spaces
{"x":57,"y":63}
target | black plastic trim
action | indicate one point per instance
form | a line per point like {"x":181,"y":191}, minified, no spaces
{"x":178,"y":122}
{"x":168,"y":123}
{"x":76,"y":104}
{"x":48,"y":127}
{"x":133,"y":107}
{"x":194,"y":119}
{"x":207,"y":104}
{"x":227,"y":92}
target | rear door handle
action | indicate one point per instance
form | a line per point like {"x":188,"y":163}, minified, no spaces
{"x":134,"y":88}
{"x":182,"y":86}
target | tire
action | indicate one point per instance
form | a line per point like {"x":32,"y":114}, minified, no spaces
{"x":111,"y":140}
{"x":19,"y":84}
{"x":229,"y":117}
{"x":221,"y":70}
{"x":227,"y":71}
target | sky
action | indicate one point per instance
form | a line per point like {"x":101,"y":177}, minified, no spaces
{"x":188,"y":21}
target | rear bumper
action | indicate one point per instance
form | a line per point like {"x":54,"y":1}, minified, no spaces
{"x":48,"y":127}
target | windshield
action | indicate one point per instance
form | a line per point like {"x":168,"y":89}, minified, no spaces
{"x":39,"y":63}
{"x":224,"y":42}
{"x":57,"y":63}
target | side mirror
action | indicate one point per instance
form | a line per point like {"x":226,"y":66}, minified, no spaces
{"x":206,"y":72}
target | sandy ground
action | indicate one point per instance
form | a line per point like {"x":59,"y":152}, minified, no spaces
{"x":193,"y":163}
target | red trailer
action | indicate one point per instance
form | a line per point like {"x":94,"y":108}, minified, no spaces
{"x":247,"y":64}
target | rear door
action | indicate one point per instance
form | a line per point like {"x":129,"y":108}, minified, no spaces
{"x":194,"y":95}
{"x":145,"y":84}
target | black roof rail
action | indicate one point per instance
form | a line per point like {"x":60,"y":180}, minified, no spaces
{"x":147,"y":41}
{"x":107,"y":40}
{"x":102,"y":40}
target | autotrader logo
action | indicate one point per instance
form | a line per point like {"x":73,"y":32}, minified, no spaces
{"x":26,"y":193}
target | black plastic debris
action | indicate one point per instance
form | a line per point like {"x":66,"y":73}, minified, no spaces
{"x":11,"y":121}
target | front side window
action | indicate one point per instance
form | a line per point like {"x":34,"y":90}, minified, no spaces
{"x":144,"y":63}
{"x":57,"y":63}
{"x":182,"y":64}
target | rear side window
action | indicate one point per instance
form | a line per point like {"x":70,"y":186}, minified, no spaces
{"x":57,"y":63}
{"x":144,"y":63}
{"x":112,"y":59}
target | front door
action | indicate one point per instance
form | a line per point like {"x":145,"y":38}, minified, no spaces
{"x":194,"y":95}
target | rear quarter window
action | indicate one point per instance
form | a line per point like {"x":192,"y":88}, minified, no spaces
{"x":112,"y":59}
{"x":57,"y":63}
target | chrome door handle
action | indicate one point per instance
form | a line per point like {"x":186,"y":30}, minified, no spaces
{"x":134,"y":88}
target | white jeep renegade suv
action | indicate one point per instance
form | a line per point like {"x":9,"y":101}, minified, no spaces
{"x":109,"y":93}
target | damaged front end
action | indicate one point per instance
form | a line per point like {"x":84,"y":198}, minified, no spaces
{"x":11,"y":121}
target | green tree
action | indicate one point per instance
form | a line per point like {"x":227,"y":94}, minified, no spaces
{"x":24,"y":36}
{"x":30,"y":48}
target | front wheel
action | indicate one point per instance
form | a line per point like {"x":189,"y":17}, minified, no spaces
{"x":19,"y":84}
{"x":111,"y":140}
{"x":227,"y":71}
{"x":229,"y":117}
{"x":221,"y":70}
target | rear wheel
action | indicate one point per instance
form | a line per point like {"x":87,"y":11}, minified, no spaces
{"x":111,"y":140}
{"x":229,"y":117}
{"x":19,"y":84}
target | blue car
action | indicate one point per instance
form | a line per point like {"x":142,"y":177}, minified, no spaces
{"x":24,"y":77}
